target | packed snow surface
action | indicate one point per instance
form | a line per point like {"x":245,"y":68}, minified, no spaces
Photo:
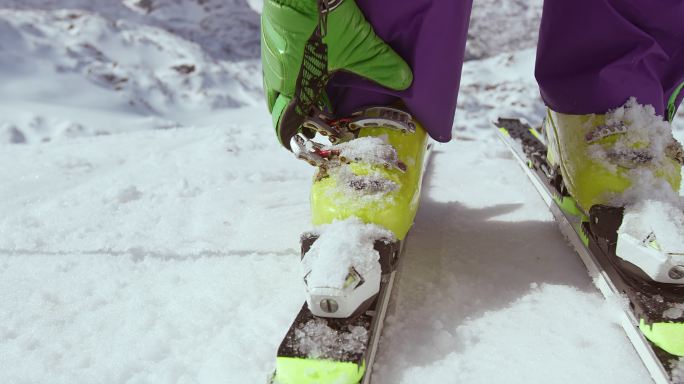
{"x":149,"y":227}
{"x":341,"y":247}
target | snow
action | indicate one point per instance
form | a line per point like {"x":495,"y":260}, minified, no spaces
{"x":225,"y":29}
{"x":644,"y":127}
{"x":676,"y":312}
{"x":370,"y":150}
{"x":645,"y":138}
{"x":357,"y":175}
{"x":106,"y":317}
{"x":663,"y":219}
{"x":256,"y":5}
{"x":317,"y":340}
{"x":678,"y":371}
{"x":67,"y":73}
{"x":529,"y":340}
{"x":374,"y":186}
{"x":341,"y":247}
{"x":157,"y":242}
{"x":508,"y":25}
{"x":113,"y":193}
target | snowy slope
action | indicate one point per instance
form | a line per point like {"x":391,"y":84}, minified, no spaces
{"x":158,"y":242}
{"x":226,"y":29}
{"x":68,"y":73}
{"x":170,"y":256}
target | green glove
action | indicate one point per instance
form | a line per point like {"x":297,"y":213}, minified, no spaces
{"x":300,"y":50}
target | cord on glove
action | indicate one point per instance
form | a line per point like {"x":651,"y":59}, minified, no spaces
{"x":303,"y":42}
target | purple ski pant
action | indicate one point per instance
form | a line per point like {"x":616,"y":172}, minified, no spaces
{"x":592,"y":56}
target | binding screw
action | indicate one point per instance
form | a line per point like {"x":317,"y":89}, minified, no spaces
{"x":677,"y":272}
{"x":329,"y":305}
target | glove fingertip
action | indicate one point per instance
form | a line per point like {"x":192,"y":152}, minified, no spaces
{"x":271,"y":97}
{"x":404,"y":77}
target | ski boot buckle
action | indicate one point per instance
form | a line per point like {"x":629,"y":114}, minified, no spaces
{"x":346,"y":129}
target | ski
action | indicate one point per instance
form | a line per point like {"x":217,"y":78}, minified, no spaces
{"x":364,"y":198}
{"x":334,"y":363}
{"x":594,"y":237}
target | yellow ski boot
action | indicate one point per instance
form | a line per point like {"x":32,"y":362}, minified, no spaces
{"x":628,"y":158}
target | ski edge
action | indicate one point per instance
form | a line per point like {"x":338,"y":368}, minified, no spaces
{"x":377,"y":329}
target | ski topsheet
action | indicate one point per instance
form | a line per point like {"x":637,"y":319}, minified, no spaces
{"x":589,"y":240}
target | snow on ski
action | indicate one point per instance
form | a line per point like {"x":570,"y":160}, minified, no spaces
{"x":340,"y":344}
{"x":528,"y":148}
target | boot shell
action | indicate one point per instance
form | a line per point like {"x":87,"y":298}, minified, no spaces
{"x":589,"y":180}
